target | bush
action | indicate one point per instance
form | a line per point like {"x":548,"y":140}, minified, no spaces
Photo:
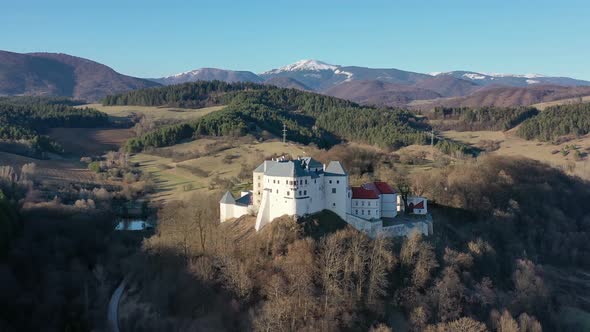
{"x":95,"y":166}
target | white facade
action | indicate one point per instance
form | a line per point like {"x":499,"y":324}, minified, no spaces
{"x":305,"y":186}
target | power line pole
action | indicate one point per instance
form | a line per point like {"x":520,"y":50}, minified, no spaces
{"x":284,"y":133}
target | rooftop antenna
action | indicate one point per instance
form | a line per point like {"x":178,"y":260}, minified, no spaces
{"x":284,"y":133}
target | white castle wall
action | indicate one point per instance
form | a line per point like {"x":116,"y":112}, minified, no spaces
{"x":388,"y":205}
{"x":336,"y":195}
{"x":231,"y":211}
{"x":366,"y":208}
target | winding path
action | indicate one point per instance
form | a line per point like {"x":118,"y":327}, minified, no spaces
{"x":113,"y":310}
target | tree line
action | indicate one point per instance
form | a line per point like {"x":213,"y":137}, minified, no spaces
{"x":484,"y":118}
{"x":26,"y":118}
{"x":189,"y":95}
{"x":556,"y":121}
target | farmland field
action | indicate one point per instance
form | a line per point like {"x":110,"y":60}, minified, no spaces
{"x":153,"y":112}
{"x":512,"y":145}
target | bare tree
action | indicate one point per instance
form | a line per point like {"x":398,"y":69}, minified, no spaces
{"x":331,"y":260}
{"x":380,"y":263}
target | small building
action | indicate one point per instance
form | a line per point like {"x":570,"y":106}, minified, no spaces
{"x":416,"y":205}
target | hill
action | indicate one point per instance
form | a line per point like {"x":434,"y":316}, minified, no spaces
{"x":209,"y":74}
{"x":321,"y":76}
{"x":287,"y":82}
{"x":379,"y":93}
{"x":558,"y":121}
{"x":56,"y":74}
{"x":508,"y":96}
{"x":448,"y":86}
{"x":485,"y":79}
{"x":258,"y":109}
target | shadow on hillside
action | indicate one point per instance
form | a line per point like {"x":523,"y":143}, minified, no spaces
{"x":166,"y":294}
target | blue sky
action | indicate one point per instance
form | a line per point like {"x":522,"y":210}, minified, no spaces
{"x":152,"y":38}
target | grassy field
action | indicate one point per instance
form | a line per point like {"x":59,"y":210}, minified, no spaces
{"x":153,"y":112}
{"x":55,"y":171}
{"x":178,"y":180}
{"x":512,"y":145}
{"x":543,"y":106}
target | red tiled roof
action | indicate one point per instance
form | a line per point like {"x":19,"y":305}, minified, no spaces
{"x":384,"y":188}
{"x":362,"y":193}
{"x":379,"y":187}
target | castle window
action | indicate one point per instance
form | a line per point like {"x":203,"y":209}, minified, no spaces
{"x":288,"y":193}
{"x":305,"y":192}
{"x":273,"y":181}
{"x":333,"y":190}
{"x":363,"y":212}
{"x":299,"y":192}
{"x":300,"y":181}
{"x":337,"y":181}
{"x":356,"y":203}
{"x":369,"y":212}
{"x":363,"y":203}
{"x":277,"y":191}
{"x":330,"y":181}
{"x":305,"y":181}
{"x":356,"y":211}
{"x":369,"y":203}
{"x":315,"y":181}
{"x":258,"y":177}
{"x":334,"y":204}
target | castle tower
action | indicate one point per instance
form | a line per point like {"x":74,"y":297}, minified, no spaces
{"x":337,"y":191}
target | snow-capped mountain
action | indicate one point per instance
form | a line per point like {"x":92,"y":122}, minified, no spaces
{"x":210,"y":74}
{"x":321,"y":76}
{"x":388,"y":86}
{"x":303,"y":65}
{"x":517,"y":80}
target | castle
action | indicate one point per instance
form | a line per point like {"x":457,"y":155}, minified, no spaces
{"x":305,"y":186}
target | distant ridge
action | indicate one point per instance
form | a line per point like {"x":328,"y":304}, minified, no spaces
{"x":210,"y":74}
{"x":57,"y":74}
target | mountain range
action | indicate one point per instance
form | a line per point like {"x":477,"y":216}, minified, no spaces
{"x":65,"y":75}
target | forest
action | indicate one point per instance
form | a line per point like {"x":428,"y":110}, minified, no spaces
{"x":484,"y":118}
{"x":188,"y":95}
{"x":26,"y":118}
{"x":252,"y":108}
{"x":486,"y":268}
{"x":557,"y":121}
